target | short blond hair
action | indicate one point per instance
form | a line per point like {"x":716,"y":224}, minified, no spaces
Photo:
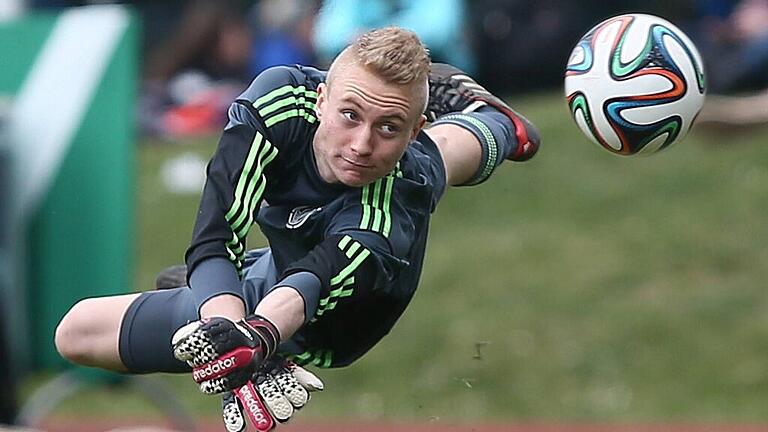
{"x":393,"y":53}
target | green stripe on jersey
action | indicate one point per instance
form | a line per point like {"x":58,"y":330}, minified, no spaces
{"x":344,"y":242}
{"x":320,"y":358}
{"x":280,"y":91}
{"x":329,"y":303}
{"x":376,"y":204}
{"x":352,"y":249}
{"x":377,"y":212}
{"x":301,"y":112}
{"x":247,"y":194}
{"x":299,"y":102}
{"x":342,"y":285}
{"x":387,"y":200}
{"x":299,"y":97}
{"x":351,"y":267}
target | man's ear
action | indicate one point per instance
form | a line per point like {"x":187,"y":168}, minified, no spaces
{"x":419,"y":126}
{"x":322,"y":91}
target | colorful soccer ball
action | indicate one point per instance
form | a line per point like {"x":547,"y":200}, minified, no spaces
{"x":635,"y":84}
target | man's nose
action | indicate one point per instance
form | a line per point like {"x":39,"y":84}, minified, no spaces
{"x":362,"y":144}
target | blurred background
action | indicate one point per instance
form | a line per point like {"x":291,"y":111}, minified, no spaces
{"x":579,"y":288}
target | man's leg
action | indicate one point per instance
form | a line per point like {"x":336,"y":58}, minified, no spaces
{"x":475,"y":130}
{"x":133,"y":332}
{"x":89,"y":333}
{"x":460,"y":150}
{"x":127,"y":333}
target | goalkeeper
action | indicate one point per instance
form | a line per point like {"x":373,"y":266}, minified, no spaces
{"x":340,"y":176}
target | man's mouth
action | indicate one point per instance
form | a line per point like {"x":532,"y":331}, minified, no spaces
{"x":356,"y":163}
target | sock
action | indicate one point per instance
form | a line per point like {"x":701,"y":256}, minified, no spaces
{"x":496,"y":134}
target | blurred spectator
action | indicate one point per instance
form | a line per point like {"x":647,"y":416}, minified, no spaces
{"x":196,"y":59}
{"x":192,"y":74}
{"x":212,"y":53}
{"x":441,"y":24}
{"x":733,"y":39}
{"x":212,"y":36}
{"x":283,"y":34}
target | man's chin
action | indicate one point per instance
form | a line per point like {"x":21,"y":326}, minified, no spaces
{"x":356,"y":183}
{"x":355,"y":179}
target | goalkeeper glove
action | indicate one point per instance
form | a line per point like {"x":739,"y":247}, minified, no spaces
{"x":281,"y":388}
{"x":224,"y":355}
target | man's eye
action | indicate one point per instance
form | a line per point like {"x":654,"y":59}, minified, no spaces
{"x":349,"y":115}
{"x":390,"y":129}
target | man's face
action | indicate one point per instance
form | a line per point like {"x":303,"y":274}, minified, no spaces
{"x":365,"y":126}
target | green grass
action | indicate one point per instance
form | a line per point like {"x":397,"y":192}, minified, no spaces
{"x":581,"y":286}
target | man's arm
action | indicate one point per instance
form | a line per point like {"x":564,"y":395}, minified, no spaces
{"x":236,"y":180}
{"x":284,"y":306}
{"x":262,"y":122}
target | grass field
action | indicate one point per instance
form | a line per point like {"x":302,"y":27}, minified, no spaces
{"x":579,"y":287}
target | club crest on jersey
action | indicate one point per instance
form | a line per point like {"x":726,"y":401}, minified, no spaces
{"x":299,"y":215}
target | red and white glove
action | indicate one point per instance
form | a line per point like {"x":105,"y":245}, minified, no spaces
{"x":225,"y":355}
{"x":278,"y":389}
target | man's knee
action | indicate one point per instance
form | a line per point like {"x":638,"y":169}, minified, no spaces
{"x":71,"y":337}
{"x":88,"y":334}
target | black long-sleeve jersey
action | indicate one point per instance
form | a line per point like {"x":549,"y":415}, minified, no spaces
{"x":366,"y":245}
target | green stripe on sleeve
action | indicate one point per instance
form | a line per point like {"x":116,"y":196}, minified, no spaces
{"x":352,"y":249}
{"x":320,"y":358}
{"x":247,"y":195}
{"x":241,"y":182}
{"x":247,"y":198}
{"x":351,"y":267}
{"x":344,"y":242}
{"x":289,"y":114}
{"x":273,"y":95}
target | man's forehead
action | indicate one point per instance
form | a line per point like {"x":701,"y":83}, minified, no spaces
{"x":386,"y":106}
{"x":358,"y":76}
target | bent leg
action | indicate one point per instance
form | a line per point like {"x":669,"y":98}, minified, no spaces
{"x":473,"y":144}
{"x":127,"y":333}
{"x":89,"y":333}
{"x":460,"y":150}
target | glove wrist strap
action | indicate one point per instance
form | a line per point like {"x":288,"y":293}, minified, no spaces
{"x":266,"y":331}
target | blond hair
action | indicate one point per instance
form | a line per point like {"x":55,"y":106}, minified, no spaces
{"x":394,"y":54}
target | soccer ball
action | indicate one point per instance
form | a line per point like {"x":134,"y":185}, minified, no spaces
{"x":635,"y":84}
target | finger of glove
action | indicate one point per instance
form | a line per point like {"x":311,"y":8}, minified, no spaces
{"x":214,"y":386}
{"x":192,"y":346}
{"x":254,"y":406}
{"x":277,"y":403}
{"x":305,"y":378}
{"x":290,"y":387}
{"x":232,"y":413}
